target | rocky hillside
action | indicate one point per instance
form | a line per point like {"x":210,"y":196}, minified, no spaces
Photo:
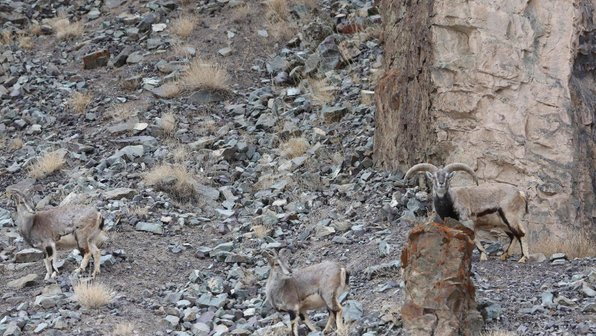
{"x":205,"y":132}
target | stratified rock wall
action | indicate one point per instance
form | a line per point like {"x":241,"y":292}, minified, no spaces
{"x":511,"y":94}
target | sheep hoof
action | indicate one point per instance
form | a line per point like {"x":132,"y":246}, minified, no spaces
{"x":523,"y":260}
{"x":504,"y":257}
{"x":54,"y":274}
{"x":47,"y":277}
{"x":483,"y":257}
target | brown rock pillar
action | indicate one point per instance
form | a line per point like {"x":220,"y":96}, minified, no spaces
{"x":439,"y":293}
{"x":505,"y":87}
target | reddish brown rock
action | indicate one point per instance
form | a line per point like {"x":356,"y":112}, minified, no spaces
{"x":96,"y":59}
{"x":439,"y":293}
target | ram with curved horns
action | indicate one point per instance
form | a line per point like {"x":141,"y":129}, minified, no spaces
{"x":488,"y":206}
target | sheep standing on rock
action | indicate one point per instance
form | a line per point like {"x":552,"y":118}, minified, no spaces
{"x":488,"y":206}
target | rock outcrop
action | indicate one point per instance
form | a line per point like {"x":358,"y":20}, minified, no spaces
{"x":508,"y":88}
{"x":439,"y":293}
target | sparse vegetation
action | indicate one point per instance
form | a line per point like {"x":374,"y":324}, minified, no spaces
{"x":261,"y":231}
{"x":92,"y":294}
{"x":167,"y":123}
{"x":25,"y":41}
{"x":320,"y":92}
{"x":79,"y":101}
{"x":65,"y":29}
{"x":278,"y":10}
{"x":124,"y":329}
{"x":5,"y":37}
{"x":183,"y":26}
{"x":176,"y":180}
{"x":241,"y":13}
{"x":47,"y":164}
{"x":171,"y":89}
{"x":180,"y":153}
{"x":575,"y":244}
{"x":294,"y":147}
{"x":203,"y":74}
{"x":16,"y":143}
{"x":123,"y":111}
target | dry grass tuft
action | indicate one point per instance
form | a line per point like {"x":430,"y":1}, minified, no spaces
{"x":171,"y":89}
{"x":35,"y":29}
{"x":320,"y":92}
{"x":180,"y":153}
{"x":278,"y":10}
{"x":123,"y":111}
{"x":47,"y":164}
{"x":65,"y":29}
{"x":183,"y":26}
{"x":310,"y":4}
{"x":25,"y":41}
{"x":577,"y":244}
{"x":16,"y":143}
{"x":176,"y":180}
{"x":261,"y":231}
{"x":241,"y":13}
{"x":124,"y":329}
{"x":294,"y":147}
{"x":5,"y":37}
{"x":167,"y":123}
{"x":139,"y":211}
{"x":203,"y":74}
{"x":80,"y":101}
{"x":282,"y":31}
{"x":92,"y":294}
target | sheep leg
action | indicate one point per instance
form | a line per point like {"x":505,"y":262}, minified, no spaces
{"x":330,"y":321}
{"x":293,"y":323}
{"x":523,"y":243}
{"x":506,"y":254}
{"x":483,"y":254}
{"x":96,"y":258}
{"x":48,"y":265}
{"x":308,"y":322}
{"x":86,"y":256}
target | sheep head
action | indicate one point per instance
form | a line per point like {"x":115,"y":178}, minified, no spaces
{"x":440,"y":177}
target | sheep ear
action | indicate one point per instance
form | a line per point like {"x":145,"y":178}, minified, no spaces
{"x":429,"y":175}
{"x":450,"y":175}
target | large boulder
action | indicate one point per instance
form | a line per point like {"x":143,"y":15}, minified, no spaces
{"x":439,"y":292}
{"x":506,"y":87}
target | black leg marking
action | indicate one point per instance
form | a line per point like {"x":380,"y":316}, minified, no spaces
{"x":302,"y":317}
{"x":292,"y":315}
{"x":49,"y":251}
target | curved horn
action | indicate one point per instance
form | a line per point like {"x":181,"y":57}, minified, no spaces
{"x":421,"y":167}
{"x":463,"y":167}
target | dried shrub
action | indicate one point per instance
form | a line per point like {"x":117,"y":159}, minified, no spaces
{"x":123,"y":111}
{"x":167,"y":123}
{"x":282,"y":30}
{"x":176,"y":180}
{"x":261,"y":231}
{"x":577,"y":244}
{"x":123,"y":329}
{"x":65,"y":29}
{"x":47,"y":164}
{"x":92,"y":294}
{"x":320,"y":92}
{"x":171,"y":89}
{"x":294,"y":147}
{"x":25,"y":41}
{"x":5,"y":37}
{"x":180,"y":153}
{"x":241,"y":13}
{"x":16,"y":143}
{"x":278,"y":10}
{"x":183,"y":26}
{"x":80,"y":101}
{"x":203,"y":74}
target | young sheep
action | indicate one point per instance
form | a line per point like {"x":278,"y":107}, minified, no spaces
{"x":487,"y":206}
{"x":56,"y":227}
{"x":308,"y":288}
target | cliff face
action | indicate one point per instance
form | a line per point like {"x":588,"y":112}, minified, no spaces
{"x":506,"y":87}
